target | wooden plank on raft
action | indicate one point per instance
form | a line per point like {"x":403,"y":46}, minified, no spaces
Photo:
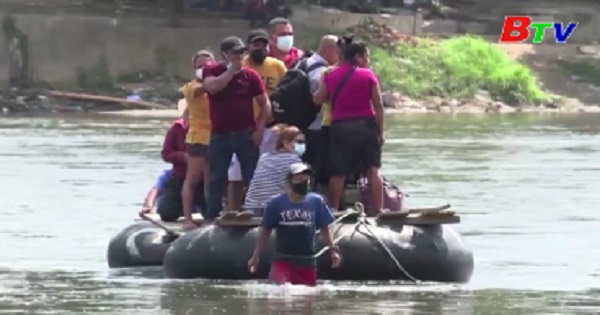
{"x":425,"y":220}
{"x":100,"y":98}
{"x":448,"y":217}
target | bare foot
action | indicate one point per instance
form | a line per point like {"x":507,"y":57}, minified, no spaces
{"x":189,"y":225}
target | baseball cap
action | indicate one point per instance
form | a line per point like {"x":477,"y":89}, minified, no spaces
{"x":256,"y":35}
{"x":232,"y":43}
{"x":203,"y":53}
{"x":299,"y":168}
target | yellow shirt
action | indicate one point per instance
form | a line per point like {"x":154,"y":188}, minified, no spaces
{"x":271,"y":71}
{"x":199,"y":119}
{"x":326,"y":107}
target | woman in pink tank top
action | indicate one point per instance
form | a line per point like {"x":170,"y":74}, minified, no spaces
{"x":356,"y":132}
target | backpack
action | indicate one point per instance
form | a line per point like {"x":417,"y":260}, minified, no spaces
{"x":292,"y":101}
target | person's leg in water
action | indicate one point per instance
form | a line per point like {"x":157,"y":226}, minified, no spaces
{"x":235,"y":187}
{"x":284,"y":272}
{"x":196,"y":155}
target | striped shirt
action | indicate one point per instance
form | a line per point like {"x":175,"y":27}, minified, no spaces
{"x":269,"y":178}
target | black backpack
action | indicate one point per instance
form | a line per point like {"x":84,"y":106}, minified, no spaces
{"x":292,"y":101}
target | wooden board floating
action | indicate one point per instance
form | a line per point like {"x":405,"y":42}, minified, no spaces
{"x":100,"y":98}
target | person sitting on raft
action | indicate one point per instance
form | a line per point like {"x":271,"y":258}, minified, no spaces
{"x":356,"y":131}
{"x":296,"y":215}
{"x":153,"y":195}
{"x":173,"y":151}
{"x":197,"y":136}
{"x":270,"y":175}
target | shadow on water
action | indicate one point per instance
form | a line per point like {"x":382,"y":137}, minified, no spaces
{"x":526,"y":187}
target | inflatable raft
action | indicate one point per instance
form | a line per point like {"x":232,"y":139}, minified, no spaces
{"x":413,"y":245}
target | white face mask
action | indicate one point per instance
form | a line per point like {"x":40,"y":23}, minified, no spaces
{"x":285,"y":43}
{"x":199,"y":73}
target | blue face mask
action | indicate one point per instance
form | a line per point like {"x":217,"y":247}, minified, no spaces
{"x":299,"y":148}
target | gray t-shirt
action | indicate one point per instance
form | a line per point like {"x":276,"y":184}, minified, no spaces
{"x":314,"y":79}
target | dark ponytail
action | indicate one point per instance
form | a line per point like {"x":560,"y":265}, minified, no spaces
{"x":350,"y":47}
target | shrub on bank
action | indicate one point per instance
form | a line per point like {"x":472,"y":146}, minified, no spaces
{"x":457,"y":68}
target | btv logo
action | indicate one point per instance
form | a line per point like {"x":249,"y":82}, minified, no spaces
{"x":516,"y":29}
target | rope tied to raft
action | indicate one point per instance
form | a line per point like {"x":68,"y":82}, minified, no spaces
{"x":362,"y":221}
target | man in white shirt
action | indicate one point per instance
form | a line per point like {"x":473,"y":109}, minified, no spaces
{"x":328,"y":54}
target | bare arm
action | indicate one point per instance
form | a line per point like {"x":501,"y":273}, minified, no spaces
{"x":321,"y":95}
{"x":214,"y":85}
{"x":261,"y":242}
{"x":264,"y":105}
{"x":377,"y":106}
{"x":150,"y":198}
{"x":326,"y":236}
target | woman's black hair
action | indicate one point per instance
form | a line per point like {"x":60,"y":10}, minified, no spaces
{"x":350,"y":47}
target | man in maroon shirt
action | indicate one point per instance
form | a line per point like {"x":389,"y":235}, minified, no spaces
{"x":173,"y":151}
{"x":281,"y":42}
{"x":231,"y":91}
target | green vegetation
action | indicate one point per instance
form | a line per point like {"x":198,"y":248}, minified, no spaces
{"x":457,"y":68}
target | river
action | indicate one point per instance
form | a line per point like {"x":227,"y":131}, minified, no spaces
{"x":526,"y":187}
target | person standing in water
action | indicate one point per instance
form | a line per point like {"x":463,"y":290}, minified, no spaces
{"x":295,"y":215}
{"x":198,"y":135}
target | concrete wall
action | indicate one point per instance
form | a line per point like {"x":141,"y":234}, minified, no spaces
{"x":60,"y":44}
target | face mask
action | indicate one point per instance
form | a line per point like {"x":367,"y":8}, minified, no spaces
{"x":300,"y":188}
{"x":258,"y":55}
{"x":285,"y":43}
{"x":299,"y":148}
{"x":199,"y":74}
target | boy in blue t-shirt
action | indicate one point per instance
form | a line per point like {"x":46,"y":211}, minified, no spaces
{"x":153,"y":196}
{"x":295,"y":215}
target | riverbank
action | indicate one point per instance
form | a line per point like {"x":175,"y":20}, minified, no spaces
{"x":463,"y":74}
{"x":481,"y":103}
{"x":47,"y":102}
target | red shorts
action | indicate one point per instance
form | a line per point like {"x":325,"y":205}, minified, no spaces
{"x":284,"y":272}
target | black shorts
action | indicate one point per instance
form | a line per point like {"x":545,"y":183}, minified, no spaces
{"x":353,"y":144}
{"x":321,"y":166}
{"x":196,"y":149}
